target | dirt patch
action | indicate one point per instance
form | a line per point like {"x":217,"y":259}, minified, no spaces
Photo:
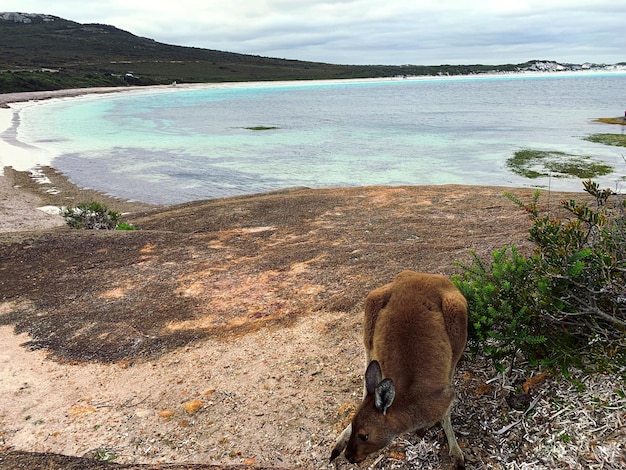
{"x":227,"y":332}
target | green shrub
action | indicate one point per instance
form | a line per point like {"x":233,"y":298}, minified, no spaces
{"x":125,"y":226}
{"x":91,"y":215}
{"x":501,"y":321}
{"x":582,"y":266}
{"x":564,"y":304}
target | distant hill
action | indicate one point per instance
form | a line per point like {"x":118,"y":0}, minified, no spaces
{"x":44,"y":52}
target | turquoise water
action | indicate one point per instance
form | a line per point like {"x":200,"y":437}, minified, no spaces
{"x":183,"y":144}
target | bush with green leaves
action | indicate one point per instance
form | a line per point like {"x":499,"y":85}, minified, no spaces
{"x":565,"y":304}
{"x":501,"y":321}
{"x":94,"y":216}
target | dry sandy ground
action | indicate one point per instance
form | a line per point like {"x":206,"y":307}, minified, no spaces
{"x":227,"y":333}
{"x":20,"y":210}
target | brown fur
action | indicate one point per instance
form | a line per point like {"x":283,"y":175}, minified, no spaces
{"x":415,"y":330}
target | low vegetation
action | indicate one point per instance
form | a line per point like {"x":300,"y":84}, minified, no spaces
{"x":94,"y":216}
{"x":21,"y":81}
{"x":538,"y":163}
{"x":59,"y":54}
{"x":618,"y":140}
{"x":564,"y":304}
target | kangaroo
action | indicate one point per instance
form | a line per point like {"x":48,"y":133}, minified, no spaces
{"x":415,"y":331}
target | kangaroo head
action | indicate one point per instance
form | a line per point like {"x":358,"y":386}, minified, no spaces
{"x":371,"y":428}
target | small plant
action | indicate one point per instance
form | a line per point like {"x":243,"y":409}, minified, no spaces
{"x":94,"y":216}
{"x":565,"y":304}
{"x":125,"y":226}
{"x":565,"y":438}
{"x":104,"y":455}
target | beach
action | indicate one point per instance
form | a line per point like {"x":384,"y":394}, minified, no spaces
{"x":23,"y":157}
{"x":27,"y":206}
{"x":31,"y":196}
{"x":206,"y":157}
{"x":21,"y":209}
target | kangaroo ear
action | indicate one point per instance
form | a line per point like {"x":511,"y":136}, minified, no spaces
{"x":373,"y":376}
{"x":385,"y":393}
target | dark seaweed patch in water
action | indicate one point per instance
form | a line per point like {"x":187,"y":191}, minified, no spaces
{"x":538,"y":163}
{"x":618,"y":140}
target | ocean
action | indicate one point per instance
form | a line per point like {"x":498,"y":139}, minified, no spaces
{"x":183,"y":143}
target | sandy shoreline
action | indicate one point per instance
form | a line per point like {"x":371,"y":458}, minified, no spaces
{"x":19,"y":209}
{"x":23,"y":205}
{"x":7,"y":98}
{"x":22,"y":157}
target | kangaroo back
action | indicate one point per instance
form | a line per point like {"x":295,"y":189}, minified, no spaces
{"x":415,"y":331}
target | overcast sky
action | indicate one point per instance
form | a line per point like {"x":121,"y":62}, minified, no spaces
{"x":395,"y":32}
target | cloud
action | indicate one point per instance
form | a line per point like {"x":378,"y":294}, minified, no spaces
{"x":369,"y":31}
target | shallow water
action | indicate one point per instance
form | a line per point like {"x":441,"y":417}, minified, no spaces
{"x":194,"y":143}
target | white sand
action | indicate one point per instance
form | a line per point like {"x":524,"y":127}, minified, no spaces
{"x":20,"y":156}
{"x":19,"y":209}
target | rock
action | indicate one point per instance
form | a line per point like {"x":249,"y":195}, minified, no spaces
{"x":193,"y":406}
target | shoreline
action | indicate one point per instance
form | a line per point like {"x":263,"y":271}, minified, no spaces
{"x":31,"y":192}
{"x":32,"y":200}
{"x":23,"y":158}
{"x":19,"y":97}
